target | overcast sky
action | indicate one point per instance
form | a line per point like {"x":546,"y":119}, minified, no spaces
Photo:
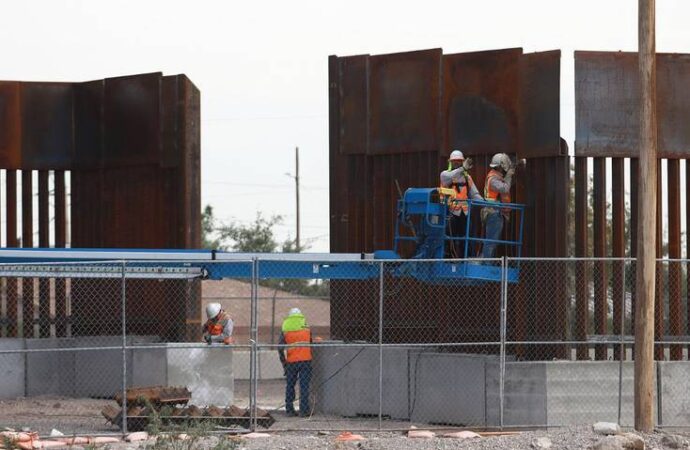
{"x":262,"y":68}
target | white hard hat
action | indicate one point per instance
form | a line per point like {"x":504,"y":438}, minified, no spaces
{"x":500,"y":160}
{"x":212,"y":310}
{"x":456,"y":155}
{"x":294,"y":311}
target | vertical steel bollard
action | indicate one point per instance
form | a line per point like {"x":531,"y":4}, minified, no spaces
{"x":124,"y":349}
{"x":253,"y":375}
{"x":380,"y":344}
{"x":622,"y":348}
{"x":503,"y":332}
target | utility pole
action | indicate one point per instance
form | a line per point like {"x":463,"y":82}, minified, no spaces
{"x":299,"y":247}
{"x":647,"y":208}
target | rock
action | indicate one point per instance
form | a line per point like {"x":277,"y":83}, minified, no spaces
{"x":137,"y":436}
{"x":674,"y":441}
{"x":256,"y":435}
{"x":626,"y":441}
{"x":420,"y":434}
{"x":542,"y":442}
{"x":56,"y":433}
{"x":324,"y":433}
{"x":606,"y":428}
{"x":462,"y":435}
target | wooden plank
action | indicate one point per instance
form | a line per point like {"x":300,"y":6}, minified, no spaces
{"x":43,"y":242}
{"x":27,"y":242}
{"x":618,"y":244}
{"x":675,"y":274}
{"x":599,"y":249}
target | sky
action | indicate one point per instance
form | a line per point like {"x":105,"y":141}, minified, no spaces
{"x":262,"y":69}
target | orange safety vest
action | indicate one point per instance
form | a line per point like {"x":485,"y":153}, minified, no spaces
{"x":492,"y":195}
{"x":297,"y":354}
{"x":215,"y":326}
{"x":460,"y":201}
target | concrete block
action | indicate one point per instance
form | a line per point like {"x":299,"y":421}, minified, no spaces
{"x":449,"y":389}
{"x":270,"y":367}
{"x":525,"y":393}
{"x":675,"y":392}
{"x":207,"y":372}
{"x":583,"y":392}
{"x":330,"y":379}
{"x":12,"y":369}
{"x":50,"y":372}
{"x":99,"y":372}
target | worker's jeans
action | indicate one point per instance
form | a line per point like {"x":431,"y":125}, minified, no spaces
{"x":494,"y":228}
{"x":456,"y":227}
{"x":301,"y":370}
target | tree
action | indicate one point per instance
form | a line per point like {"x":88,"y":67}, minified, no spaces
{"x":208,"y":230}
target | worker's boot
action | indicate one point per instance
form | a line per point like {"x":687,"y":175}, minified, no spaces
{"x":290,"y":413}
{"x":306,"y":413}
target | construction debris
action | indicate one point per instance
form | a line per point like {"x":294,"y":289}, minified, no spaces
{"x":462,"y":435}
{"x":168,"y":406}
{"x":346,"y":436}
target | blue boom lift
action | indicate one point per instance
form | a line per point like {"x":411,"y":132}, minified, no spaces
{"x":423,"y":210}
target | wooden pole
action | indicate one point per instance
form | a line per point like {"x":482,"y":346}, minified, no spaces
{"x":646,"y":248}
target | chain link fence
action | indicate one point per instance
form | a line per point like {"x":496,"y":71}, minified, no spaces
{"x":531,"y":343}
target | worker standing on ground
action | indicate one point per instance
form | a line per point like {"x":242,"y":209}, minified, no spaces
{"x":219,"y":326}
{"x":458,"y":178}
{"x":496,"y":189}
{"x":297,"y":362}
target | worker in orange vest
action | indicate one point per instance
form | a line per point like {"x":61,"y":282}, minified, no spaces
{"x":297,"y":362}
{"x":496,"y":189}
{"x":457,"y":177}
{"x":218,"y":328}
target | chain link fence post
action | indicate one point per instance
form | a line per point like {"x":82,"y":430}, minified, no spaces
{"x":622,"y":344}
{"x":253,"y":351}
{"x":123,"y":295}
{"x":380,"y":344}
{"x":503,"y":333}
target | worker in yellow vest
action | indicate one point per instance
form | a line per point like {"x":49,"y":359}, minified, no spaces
{"x":218,"y":328}
{"x":496,"y":189}
{"x":296,"y":361}
{"x":458,"y":178}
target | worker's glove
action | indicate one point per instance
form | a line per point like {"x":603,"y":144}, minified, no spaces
{"x":467,"y":164}
{"x":510,"y":172}
{"x":207,"y":338}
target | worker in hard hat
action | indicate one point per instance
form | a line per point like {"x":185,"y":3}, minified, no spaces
{"x":218,"y":328}
{"x":496,"y":189}
{"x":296,"y":361}
{"x":458,"y":178}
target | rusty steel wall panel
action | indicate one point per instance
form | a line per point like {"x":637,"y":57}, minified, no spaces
{"x":481,"y":101}
{"x":353,"y":87}
{"x":11,"y":242}
{"x":600,"y":251}
{"x":10,"y":125}
{"x":88,"y":124}
{"x":539,"y":117}
{"x":659,"y":300}
{"x":404,"y":102}
{"x":581,"y":245}
{"x":618,"y":246}
{"x":47,"y":133}
{"x":132,"y":120}
{"x":606,"y":99}
{"x":675,"y":271}
{"x":43,"y":242}
{"x":27,"y":242}
{"x":60,"y":214}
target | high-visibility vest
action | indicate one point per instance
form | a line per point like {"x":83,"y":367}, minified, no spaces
{"x":295,"y":331}
{"x":492,"y":195}
{"x":459,"y":203}
{"x":215,"y":326}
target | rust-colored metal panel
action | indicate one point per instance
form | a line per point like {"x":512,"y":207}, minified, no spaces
{"x":43,"y":242}
{"x":132,"y":120}
{"x":27,"y":242}
{"x":88,"y":124}
{"x":170,"y":154}
{"x":404,"y":95}
{"x":11,"y":242}
{"x":353,"y":75}
{"x":47,"y":131}
{"x":10,"y":125}
{"x":582,"y":268}
{"x":634,"y":207}
{"x":600,"y":268}
{"x":606,"y":98}
{"x":539,"y":118}
{"x":659,"y":303}
{"x":189,"y":132}
{"x":60,"y":242}
{"x":481,"y":101}
{"x":339,"y":189}
{"x":618,"y":245}
{"x":675,"y":272}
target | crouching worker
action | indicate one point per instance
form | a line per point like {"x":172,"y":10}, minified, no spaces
{"x":297,"y":362}
{"x":218,"y":327}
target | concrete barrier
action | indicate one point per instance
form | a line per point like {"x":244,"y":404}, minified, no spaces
{"x":12,"y":369}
